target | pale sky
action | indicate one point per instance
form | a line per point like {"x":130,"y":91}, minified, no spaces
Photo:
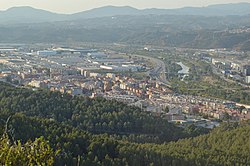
{"x":73,"y":6}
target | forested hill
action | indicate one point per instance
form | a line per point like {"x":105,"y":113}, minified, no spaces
{"x":83,"y":131}
{"x":227,"y":145}
{"x":93,"y":115}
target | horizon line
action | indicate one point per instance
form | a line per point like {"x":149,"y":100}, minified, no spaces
{"x":119,"y":6}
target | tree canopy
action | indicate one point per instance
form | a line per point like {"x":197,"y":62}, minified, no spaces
{"x":50,"y":128}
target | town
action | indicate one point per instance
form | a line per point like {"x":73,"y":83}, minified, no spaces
{"x":112,"y":75}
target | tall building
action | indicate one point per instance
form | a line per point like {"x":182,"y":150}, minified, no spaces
{"x":246,"y":70}
{"x":247,"y":79}
{"x":86,"y":73}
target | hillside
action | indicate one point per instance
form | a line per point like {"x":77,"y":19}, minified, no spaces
{"x":165,"y":31}
{"x":98,"y":132}
{"x":227,"y":145}
{"x":71,"y":123}
{"x":215,"y":26}
{"x":26,"y":14}
{"x":92,"y":115}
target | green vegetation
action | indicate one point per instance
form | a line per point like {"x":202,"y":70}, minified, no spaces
{"x":165,"y":31}
{"x":93,"y":115}
{"x":227,"y":145}
{"x":37,"y":152}
{"x":82,"y":131}
{"x":72,"y":124}
{"x":203,"y":82}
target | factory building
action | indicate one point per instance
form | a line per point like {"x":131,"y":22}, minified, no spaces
{"x":132,"y":68}
{"x":47,"y":52}
{"x":97,"y":55}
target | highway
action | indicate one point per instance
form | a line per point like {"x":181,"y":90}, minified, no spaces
{"x":159,"y":70}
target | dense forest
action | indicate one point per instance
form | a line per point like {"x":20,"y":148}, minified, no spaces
{"x":50,"y":128}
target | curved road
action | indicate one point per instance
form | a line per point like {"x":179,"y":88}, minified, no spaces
{"x":159,"y":71}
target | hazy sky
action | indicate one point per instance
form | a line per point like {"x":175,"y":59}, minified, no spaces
{"x":72,"y":6}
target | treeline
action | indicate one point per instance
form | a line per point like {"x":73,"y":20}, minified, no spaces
{"x":83,"y":131}
{"x":227,"y":145}
{"x":94,"y":115}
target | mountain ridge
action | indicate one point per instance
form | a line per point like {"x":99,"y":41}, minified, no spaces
{"x":26,"y":14}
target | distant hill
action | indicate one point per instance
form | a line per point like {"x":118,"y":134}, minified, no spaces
{"x":106,"y":11}
{"x":166,"y":30}
{"x":27,"y":14}
{"x":32,"y":15}
{"x":209,"y":27}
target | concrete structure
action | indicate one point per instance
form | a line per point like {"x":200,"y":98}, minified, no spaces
{"x":110,"y":75}
{"x":123,"y":86}
{"x":86,"y":73}
{"x":7,"y":50}
{"x":47,"y":52}
{"x":113,"y":67}
{"x":37,"y":84}
{"x":247,"y":79}
{"x":95,"y":75}
{"x":97,"y":55}
{"x":246,"y":70}
{"x":132,"y":68}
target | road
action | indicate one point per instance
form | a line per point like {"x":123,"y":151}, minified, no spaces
{"x":217,"y":72}
{"x":159,"y":70}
